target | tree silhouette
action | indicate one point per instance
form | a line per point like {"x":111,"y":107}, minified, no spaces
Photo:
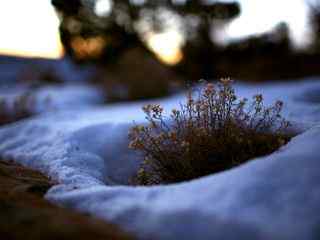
{"x":128,"y":21}
{"x":315,"y":21}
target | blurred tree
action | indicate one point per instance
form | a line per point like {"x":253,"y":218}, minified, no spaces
{"x":115,"y":34}
{"x":125,"y":24}
{"x":259,"y":57}
{"x":315,"y":21}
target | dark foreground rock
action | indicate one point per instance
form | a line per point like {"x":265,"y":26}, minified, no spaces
{"x":24,"y":214}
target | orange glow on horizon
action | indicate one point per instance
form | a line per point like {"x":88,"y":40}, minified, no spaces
{"x":29,"y":29}
{"x":166,"y":46}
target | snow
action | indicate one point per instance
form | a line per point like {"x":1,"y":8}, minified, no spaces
{"x":55,"y":97}
{"x":82,"y":144}
{"x":14,"y":69}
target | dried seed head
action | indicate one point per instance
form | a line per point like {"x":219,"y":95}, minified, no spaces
{"x":156,"y":108}
{"x":147,"y":108}
{"x":226,"y":81}
{"x":209,"y":90}
{"x":258,"y":98}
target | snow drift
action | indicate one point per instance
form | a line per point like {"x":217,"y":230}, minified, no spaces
{"x":85,"y":150}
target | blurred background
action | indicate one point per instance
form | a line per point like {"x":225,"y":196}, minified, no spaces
{"x":137,"y":49}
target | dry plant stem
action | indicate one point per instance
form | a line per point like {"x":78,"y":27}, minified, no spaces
{"x":210,"y":133}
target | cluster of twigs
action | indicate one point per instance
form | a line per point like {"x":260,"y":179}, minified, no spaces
{"x":209,"y":133}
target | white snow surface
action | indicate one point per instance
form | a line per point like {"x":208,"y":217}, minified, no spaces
{"x":85,"y":149}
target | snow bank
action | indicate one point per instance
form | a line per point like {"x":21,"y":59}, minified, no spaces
{"x":54,"y":97}
{"x":275,"y":197}
{"x":16,"y":69}
{"x":85,"y":149}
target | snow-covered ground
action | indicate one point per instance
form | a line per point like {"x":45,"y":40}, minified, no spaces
{"x":14,"y":69}
{"x":83,"y":145}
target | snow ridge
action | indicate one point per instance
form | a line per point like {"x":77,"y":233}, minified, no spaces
{"x":85,"y":150}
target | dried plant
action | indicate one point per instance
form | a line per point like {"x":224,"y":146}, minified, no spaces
{"x":20,"y":108}
{"x":209,"y":133}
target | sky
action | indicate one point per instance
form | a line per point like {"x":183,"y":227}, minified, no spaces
{"x":30,"y":28}
{"x":258,"y":16}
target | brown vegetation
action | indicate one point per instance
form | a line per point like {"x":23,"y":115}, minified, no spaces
{"x":210,"y":133}
{"x":25,"y":215}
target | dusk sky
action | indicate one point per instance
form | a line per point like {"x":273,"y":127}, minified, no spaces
{"x":30,"y":28}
